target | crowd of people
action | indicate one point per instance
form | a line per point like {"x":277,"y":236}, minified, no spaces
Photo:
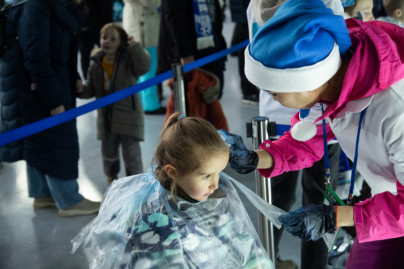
{"x":345,"y":68}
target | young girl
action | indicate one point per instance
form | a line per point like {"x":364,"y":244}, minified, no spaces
{"x":116,"y":66}
{"x":184,"y":214}
{"x":305,"y":55}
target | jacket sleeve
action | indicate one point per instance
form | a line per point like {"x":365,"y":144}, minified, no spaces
{"x":382,"y":216}
{"x":290,"y":154}
{"x":141,"y":60}
{"x":34,"y":29}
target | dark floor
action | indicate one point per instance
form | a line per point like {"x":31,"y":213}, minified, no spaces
{"x":40,"y":239}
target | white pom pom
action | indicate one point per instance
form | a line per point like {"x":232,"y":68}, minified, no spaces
{"x":303,"y":130}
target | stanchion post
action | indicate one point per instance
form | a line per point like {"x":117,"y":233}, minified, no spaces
{"x":179,"y":89}
{"x":259,"y":133}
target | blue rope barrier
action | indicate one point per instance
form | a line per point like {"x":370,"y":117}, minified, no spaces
{"x":70,"y":114}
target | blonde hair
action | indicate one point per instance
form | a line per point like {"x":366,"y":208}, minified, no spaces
{"x":185,"y":143}
{"x":123,"y":36}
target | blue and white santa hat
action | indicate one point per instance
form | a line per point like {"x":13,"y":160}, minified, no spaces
{"x":298,"y":49}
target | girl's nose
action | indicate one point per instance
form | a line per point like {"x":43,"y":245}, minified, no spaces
{"x":215,"y":184}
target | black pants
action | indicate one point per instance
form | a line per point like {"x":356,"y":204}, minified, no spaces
{"x":313,"y":253}
{"x":87,"y":40}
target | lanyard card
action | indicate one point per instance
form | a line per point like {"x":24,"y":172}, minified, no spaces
{"x":331,"y":198}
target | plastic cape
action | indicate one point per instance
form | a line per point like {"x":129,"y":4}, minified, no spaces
{"x":140,"y":225}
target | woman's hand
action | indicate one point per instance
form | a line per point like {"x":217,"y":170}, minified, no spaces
{"x":187,"y":60}
{"x":310,"y":222}
{"x":241,"y":159}
{"x":79,"y":86}
{"x":58,"y":110}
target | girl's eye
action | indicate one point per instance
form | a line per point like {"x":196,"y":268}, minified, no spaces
{"x":206,"y":177}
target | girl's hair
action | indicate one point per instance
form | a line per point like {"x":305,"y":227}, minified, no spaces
{"x":123,"y":36}
{"x":185,"y":143}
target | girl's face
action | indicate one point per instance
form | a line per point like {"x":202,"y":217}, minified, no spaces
{"x":110,"y":41}
{"x":202,"y":182}
{"x":299,"y":100}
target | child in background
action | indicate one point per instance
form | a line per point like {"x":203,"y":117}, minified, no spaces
{"x":116,"y":66}
{"x":395,"y":12}
{"x":361,"y":10}
{"x":184,"y":214}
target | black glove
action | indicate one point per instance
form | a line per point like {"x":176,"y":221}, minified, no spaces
{"x":241,"y":159}
{"x":310,"y":222}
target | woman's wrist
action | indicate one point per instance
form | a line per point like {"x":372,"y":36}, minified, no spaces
{"x":344,"y":216}
{"x":265,"y":160}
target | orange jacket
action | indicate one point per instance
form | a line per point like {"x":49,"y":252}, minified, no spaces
{"x":197,"y":82}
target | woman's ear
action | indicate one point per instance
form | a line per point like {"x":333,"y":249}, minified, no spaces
{"x":171,"y":171}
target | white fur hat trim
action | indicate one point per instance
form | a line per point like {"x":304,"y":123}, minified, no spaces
{"x":300,"y":79}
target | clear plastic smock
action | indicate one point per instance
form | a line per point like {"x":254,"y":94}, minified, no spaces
{"x":140,"y":225}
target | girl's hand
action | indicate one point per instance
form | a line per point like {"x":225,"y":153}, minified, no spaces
{"x":131,"y":41}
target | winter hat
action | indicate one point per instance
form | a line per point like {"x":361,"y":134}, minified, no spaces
{"x":298,"y":49}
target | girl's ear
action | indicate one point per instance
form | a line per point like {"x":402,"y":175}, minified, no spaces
{"x":171,"y":171}
{"x":398,"y":13}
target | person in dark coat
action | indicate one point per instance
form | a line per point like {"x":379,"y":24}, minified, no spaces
{"x":94,"y":14}
{"x":178,"y":37}
{"x":238,"y":9}
{"x":39,"y":76}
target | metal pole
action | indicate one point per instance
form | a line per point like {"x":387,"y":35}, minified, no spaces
{"x":179,"y":89}
{"x":263,"y":185}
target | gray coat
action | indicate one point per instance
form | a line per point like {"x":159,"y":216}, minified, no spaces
{"x":124,"y":117}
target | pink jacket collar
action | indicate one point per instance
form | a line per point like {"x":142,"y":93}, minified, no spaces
{"x":378,"y":49}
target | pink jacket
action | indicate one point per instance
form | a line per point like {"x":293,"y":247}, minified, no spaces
{"x":378,"y":48}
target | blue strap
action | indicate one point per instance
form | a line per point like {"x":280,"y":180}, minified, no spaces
{"x":327,"y":159}
{"x":71,"y":114}
{"x":351,"y":188}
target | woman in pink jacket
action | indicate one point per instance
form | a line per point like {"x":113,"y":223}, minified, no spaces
{"x":305,"y":55}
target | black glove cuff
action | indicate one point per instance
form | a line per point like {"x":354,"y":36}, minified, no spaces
{"x":249,"y":164}
{"x":254,"y":158}
{"x":330,"y":218}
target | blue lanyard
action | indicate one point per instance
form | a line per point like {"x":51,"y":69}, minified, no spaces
{"x":327,"y":159}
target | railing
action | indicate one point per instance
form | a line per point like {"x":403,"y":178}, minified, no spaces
{"x":71,"y":114}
